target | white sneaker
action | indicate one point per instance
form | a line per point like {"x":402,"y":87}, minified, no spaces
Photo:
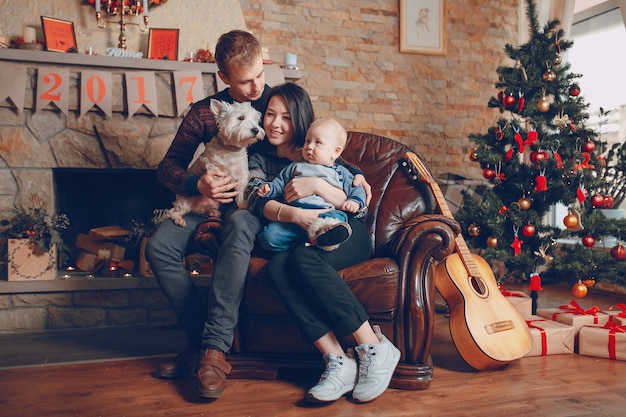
{"x":337,"y":379}
{"x":376,"y":365}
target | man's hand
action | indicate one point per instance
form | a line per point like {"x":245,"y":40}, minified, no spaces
{"x":217,"y":185}
{"x":359,"y":179}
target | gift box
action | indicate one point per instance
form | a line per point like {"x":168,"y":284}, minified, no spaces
{"x":574,"y":315}
{"x":550,"y":337}
{"x":617,"y":314}
{"x":608,"y":341}
{"x":520,"y":300}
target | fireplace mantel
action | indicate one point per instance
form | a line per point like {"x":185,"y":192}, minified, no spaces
{"x":81,"y":60}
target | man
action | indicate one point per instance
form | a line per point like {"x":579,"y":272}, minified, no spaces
{"x":208,"y":321}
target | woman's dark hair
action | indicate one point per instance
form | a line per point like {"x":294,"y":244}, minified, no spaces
{"x":300,"y":108}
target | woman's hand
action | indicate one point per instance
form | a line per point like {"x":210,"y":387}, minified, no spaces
{"x":217,"y":185}
{"x":304,"y":186}
{"x":359,"y":179}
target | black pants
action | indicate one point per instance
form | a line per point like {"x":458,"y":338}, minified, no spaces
{"x":307,"y":282}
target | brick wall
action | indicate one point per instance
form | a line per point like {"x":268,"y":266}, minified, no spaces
{"x":349,"y":54}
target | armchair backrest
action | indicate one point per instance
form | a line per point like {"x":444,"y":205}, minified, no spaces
{"x":396,"y":198}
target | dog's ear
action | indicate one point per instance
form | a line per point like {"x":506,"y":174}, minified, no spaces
{"x":218,"y":107}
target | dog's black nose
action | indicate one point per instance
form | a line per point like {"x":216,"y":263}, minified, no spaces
{"x":255,"y":131}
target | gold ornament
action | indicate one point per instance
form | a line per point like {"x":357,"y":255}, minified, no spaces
{"x":579,"y":290}
{"x":472,"y":155}
{"x":473,"y":230}
{"x":549,"y":76}
{"x":524,"y":203}
{"x":543,"y":105}
{"x":558,"y":60}
{"x":492,"y":241}
{"x":570,"y":221}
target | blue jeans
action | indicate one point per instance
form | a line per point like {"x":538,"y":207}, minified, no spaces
{"x":279,"y":236}
{"x":210,"y":320}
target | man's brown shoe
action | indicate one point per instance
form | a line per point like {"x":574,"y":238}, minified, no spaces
{"x":211,"y":375}
{"x":183,"y":365}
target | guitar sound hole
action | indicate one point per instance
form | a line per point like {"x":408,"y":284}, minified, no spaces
{"x":479,"y":286}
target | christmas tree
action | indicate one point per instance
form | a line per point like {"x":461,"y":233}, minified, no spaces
{"x":540,"y":152}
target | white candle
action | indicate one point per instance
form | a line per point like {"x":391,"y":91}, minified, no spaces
{"x":291,"y":59}
{"x":145,"y":7}
{"x":30,"y":35}
{"x":97,"y":5}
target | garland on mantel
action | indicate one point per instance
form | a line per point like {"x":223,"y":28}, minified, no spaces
{"x":152,"y":2}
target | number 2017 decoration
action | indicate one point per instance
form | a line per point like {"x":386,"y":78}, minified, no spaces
{"x":53,"y":86}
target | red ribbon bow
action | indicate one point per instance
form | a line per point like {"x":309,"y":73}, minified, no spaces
{"x":573,"y":307}
{"x":511,"y":294}
{"x":621,"y":307}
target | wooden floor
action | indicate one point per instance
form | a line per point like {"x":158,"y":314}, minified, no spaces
{"x":558,"y":385}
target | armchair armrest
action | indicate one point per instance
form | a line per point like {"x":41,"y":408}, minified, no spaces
{"x":425,"y":239}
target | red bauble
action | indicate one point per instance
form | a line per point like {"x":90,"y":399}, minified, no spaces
{"x":509,"y":100}
{"x":574,"y":90}
{"x":618,"y":252}
{"x":589,"y":241}
{"x":528,"y":230}
{"x":589,"y":146}
{"x":489,"y":173}
{"x":597,"y":200}
{"x":608,"y":202}
{"x":538,"y":156}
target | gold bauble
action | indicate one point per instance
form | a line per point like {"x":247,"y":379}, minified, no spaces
{"x":524,"y":203}
{"x":570,"y":221}
{"x":579,"y":290}
{"x":472,"y":155}
{"x":543,"y":105}
{"x":492,"y":241}
{"x":473,"y":230}
{"x":558,"y":60}
{"x":549,"y":76}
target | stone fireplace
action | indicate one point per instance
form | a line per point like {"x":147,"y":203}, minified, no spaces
{"x":100,"y":170}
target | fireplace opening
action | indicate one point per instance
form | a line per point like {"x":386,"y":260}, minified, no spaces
{"x":94,"y":198}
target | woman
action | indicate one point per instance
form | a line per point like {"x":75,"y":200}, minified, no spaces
{"x":306,"y":277}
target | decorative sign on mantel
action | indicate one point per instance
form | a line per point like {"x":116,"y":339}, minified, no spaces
{"x":53,"y":86}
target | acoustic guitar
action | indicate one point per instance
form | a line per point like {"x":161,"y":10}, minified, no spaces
{"x":487,"y":330}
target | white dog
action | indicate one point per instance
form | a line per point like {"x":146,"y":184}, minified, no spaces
{"x":239,"y":125}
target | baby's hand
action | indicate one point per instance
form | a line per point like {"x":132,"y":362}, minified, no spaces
{"x":263,"y":190}
{"x":350,"y":206}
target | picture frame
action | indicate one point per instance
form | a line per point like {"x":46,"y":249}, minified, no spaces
{"x":163,"y":44}
{"x":422,"y":27}
{"x":59,"y":35}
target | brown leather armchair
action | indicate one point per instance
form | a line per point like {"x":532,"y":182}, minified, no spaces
{"x":396,"y":286}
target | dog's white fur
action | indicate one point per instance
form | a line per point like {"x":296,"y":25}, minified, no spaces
{"x":239,"y":126}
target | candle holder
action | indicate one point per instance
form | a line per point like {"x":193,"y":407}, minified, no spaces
{"x":122,"y":8}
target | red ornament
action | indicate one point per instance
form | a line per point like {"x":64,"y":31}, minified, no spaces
{"x":608,"y":202}
{"x":541,"y":183}
{"x":574,"y":90}
{"x":589,"y":241}
{"x":509,"y":100}
{"x":489,"y":173}
{"x":589,"y":146}
{"x":516,"y":245}
{"x":535,"y":282}
{"x":618,"y":252}
{"x":597,"y":200}
{"x":538,"y":156}
{"x":528,"y":230}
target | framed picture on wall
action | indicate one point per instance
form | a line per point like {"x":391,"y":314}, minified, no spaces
{"x":59,"y":35}
{"x":422,"y":27}
{"x":163,"y":44}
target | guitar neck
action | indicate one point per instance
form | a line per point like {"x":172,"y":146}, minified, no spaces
{"x":459,"y":242}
